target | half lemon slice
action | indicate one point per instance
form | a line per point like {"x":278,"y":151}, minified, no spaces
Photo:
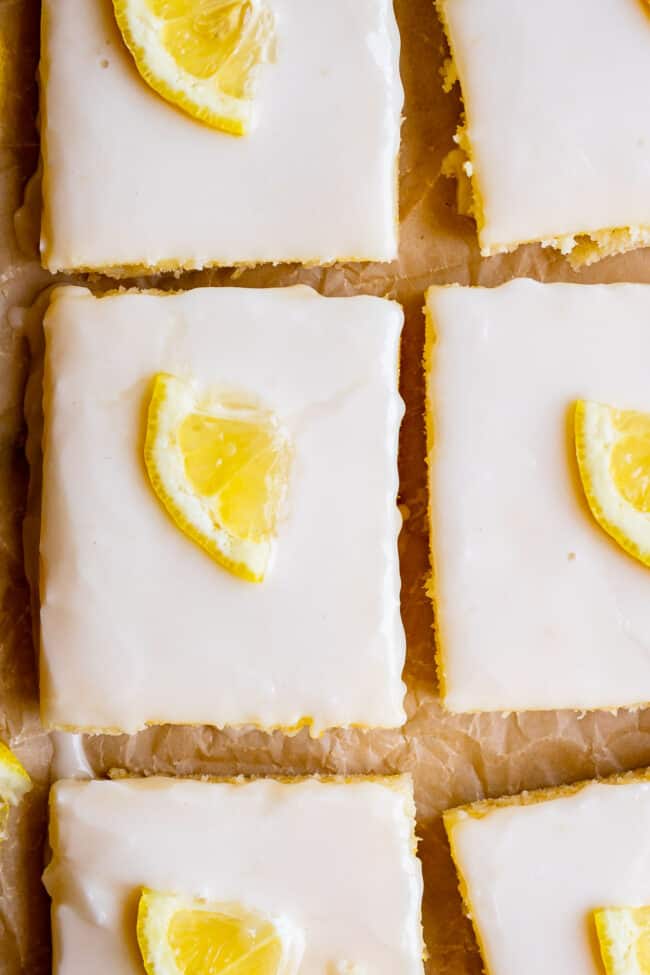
{"x":624,"y":937}
{"x":188,"y":936}
{"x":220,"y":470}
{"x":14,"y":784}
{"x":201,"y":55}
{"x":613,"y":450}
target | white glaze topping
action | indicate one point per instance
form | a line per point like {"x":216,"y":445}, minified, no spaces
{"x":537,"y":606}
{"x":129,"y":179}
{"x":336,"y":859}
{"x":138,"y":623}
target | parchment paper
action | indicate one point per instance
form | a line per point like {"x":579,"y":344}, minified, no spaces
{"x":453,"y":759}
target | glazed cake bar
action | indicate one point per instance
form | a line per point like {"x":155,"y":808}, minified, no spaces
{"x":536,"y":606}
{"x":335,"y":860}
{"x":139,"y":625}
{"x":132,"y":182}
{"x":554,"y":149}
{"x":534,"y":868}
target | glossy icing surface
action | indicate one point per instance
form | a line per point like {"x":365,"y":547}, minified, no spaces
{"x":337,"y":859}
{"x":533,"y":874}
{"x":131,"y":180}
{"x":139,"y":625}
{"x":556,"y":150}
{"x":537,"y":606}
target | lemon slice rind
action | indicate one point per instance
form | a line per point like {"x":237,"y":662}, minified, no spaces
{"x":172,"y":400}
{"x":201,"y":98}
{"x":595,"y":437}
{"x":156,"y":911}
{"x":620,"y":930}
{"x":14,"y":784}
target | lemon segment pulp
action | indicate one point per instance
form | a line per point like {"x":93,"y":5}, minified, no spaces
{"x":220,"y":470}
{"x":14,"y":784}
{"x":624,"y":938}
{"x":201,"y":55}
{"x":188,"y":936}
{"x":613,"y":451}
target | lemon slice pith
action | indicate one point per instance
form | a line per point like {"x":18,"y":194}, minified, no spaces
{"x":14,"y":784}
{"x":188,"y":936}
{"x":624,"y":937}
{"x":613,"y":450}
{"x":201,"y":55}
{"x":220,"y":470}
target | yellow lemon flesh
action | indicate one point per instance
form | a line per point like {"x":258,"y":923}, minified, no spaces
{"x":624,"y":937}
{"x":188,"y":936}
{"x":613,"y":450}
{"x":220,"y":470}
{"x":201,"y":55}
{"x":14,"y":784}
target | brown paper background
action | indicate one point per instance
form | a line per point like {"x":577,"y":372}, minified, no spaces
{"x":453,"y":759}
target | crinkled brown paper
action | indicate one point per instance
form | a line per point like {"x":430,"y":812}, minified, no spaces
{"x":453,"y":759}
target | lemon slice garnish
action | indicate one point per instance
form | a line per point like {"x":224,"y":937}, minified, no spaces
{"x":613,"y":449}
{"x":14,"y":784}
{"x":624,"y":937}
{"x":201,"y":55}
{"x":188,"y":936}
{"x":220,"y":470}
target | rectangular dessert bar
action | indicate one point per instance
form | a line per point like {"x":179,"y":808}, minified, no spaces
{"x":534,"y":868}
{"x":555,"y":149}
{"x":536,"y":607}
{"x":139,"y":625}
{"x":335,"y":859}
{"x":131,"y":181}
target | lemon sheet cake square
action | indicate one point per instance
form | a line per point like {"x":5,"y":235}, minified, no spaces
{"x":130,"y":180}
{"x":556,"y":150}
{"x":139,"y":624}
{"x":333,"y":862}
{"x":537,"y":606}
{"x":536,"y":869}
